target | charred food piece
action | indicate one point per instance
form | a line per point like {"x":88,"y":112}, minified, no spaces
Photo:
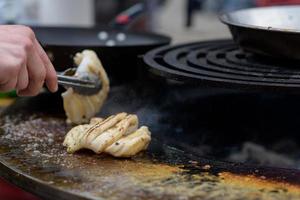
{"x":117,"y":135}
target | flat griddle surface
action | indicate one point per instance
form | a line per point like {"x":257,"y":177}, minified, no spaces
{"x":32,"y":157}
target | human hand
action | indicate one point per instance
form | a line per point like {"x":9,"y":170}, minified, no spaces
{"x":24,"y":65}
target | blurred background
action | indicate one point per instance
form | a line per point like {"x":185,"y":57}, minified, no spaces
{"x":184,"y":20}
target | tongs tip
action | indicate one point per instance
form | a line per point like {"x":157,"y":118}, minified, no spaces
{"x":81,"y":86}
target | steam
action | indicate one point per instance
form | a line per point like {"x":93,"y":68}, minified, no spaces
{"x":258,"y":154}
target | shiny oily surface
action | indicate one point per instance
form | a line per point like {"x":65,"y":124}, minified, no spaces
{"x":32,"y":156}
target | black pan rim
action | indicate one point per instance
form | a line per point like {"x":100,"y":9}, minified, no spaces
{"x":161,"y":38}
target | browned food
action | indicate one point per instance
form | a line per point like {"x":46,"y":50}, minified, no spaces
{"x":117,"y":135}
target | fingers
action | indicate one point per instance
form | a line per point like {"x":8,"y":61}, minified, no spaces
{"x":36,"y":72}
{"x":51,"y":78}
{"x":23,"y":79}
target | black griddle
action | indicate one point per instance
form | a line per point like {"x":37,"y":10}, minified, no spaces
{"x":210,"y":141}
{"x":182,"y":161}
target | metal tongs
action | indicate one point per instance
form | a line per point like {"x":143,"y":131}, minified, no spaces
{"x":81,"y":86}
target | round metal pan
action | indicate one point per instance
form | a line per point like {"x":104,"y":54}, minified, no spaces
{"x":118,"y":50}
{"x":272,"y":31}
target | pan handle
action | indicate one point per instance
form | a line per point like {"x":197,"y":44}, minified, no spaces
{"x":127,"y":17}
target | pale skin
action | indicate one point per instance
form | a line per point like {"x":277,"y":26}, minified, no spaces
{"x":24,"y":65}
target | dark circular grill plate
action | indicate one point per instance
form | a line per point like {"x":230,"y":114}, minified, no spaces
{"x":221,"y":63}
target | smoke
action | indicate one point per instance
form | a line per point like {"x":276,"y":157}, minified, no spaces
{"x":212,"y":123}
{"x":258,"y":154}
{"x":134,"y":100}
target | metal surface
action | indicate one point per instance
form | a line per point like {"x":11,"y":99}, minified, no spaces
{"x":83,"y":86}
{"x":272,"y":31}
{"x":32,"y":155}
{"x":222,"y":64}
